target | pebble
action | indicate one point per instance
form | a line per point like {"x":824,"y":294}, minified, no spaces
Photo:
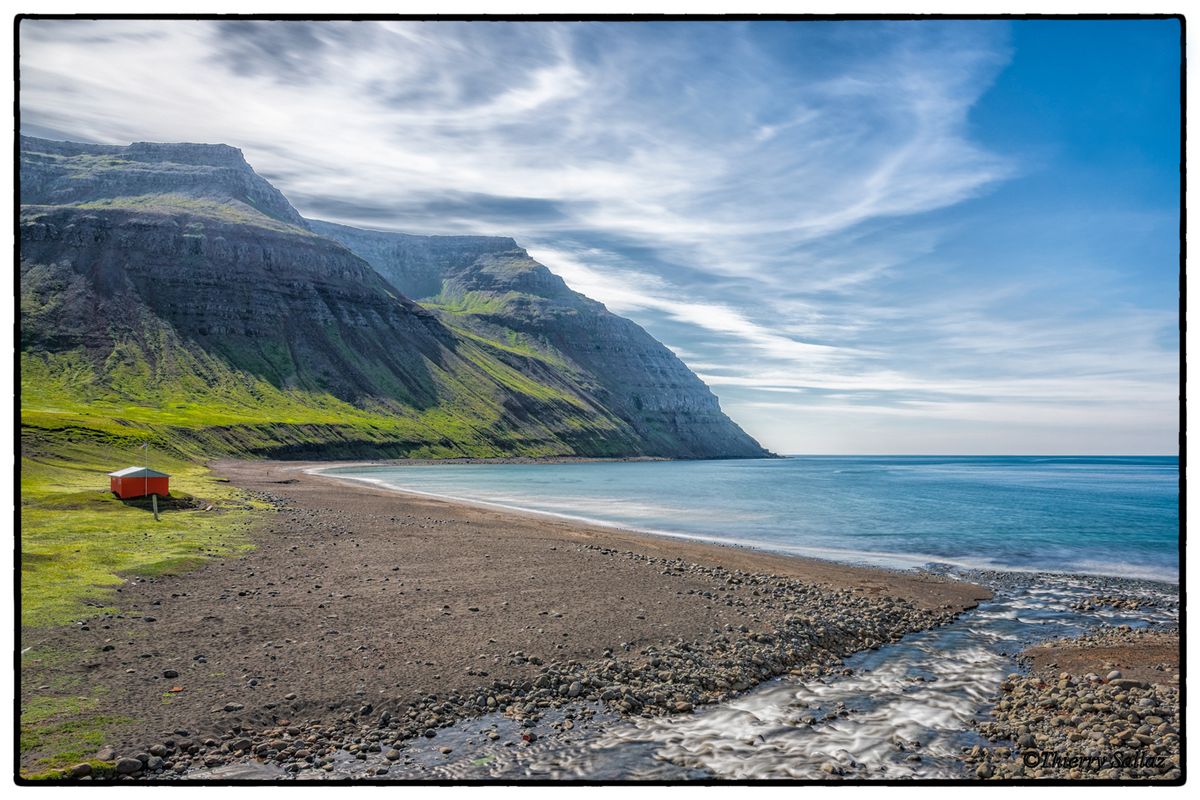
{"x":798,"y":627}
{"x":128,"y":766}
{"x":1081,"y":716}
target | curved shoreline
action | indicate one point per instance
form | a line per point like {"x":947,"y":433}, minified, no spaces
{"x":856,"y":558}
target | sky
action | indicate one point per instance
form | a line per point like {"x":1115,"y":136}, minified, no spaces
{"x":866,"y":237}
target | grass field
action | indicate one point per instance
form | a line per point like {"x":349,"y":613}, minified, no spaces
{"x":78,"y":544}
{"x":77,"y":539}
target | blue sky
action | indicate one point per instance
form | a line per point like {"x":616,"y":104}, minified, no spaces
{"x":929,"y":237}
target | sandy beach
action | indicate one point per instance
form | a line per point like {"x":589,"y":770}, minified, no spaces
{"x":362,"y":609}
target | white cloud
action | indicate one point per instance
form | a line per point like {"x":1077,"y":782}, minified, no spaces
{"x":763,"y":211}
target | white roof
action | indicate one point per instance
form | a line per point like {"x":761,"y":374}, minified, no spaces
{"x":138,"y":472}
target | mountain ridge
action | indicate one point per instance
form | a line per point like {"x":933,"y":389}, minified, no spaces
{"x":177,"y":292}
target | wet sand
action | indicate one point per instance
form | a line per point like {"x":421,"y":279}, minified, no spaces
{"x":1151,"y":657}
{"x":358,"y":599}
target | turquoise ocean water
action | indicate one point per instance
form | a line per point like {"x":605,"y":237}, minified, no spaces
{"x":1089,"y":515}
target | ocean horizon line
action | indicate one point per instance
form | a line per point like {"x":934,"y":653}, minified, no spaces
{"x":979,"y":455}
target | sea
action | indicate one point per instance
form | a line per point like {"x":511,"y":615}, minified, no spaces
{"x":1088,"y":515}
{"x":1047,"y":535}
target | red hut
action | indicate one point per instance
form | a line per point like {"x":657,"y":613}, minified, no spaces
{"x":138,"y":482}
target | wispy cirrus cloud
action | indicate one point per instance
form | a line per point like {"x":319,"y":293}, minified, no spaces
{"x":775,"y":201}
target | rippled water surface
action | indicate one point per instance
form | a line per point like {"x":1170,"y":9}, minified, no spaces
{"x":1108,"y":516}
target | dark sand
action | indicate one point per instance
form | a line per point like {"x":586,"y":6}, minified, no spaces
{"x":356,"y":594}
{"x":1151,"y":657}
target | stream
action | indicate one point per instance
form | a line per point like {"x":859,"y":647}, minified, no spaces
{"x":905,"y":710}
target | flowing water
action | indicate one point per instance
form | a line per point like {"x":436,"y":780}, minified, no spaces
{"x":905,"y":710}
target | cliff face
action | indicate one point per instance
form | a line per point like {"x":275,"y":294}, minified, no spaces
{"x":294,"y":309}
{"x":490,"y":285}
{"x":170,"y":285}
{"x":416,"y":265}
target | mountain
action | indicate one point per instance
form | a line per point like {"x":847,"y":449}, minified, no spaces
{"x":490,"y":287}
{"x":170,"y":293}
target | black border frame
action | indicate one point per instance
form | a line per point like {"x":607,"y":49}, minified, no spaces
{"x":584,"y":17}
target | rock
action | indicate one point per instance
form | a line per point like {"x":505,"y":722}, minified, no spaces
{"x":1083,"y":717}
{"x":128,"y":766}
{"x":234,"y":706}
{"x":575,"y":689}
{"x":984,"y":771}
{"x":79,"y":771}
{"x":170,"y":673}
{"x":105,"y":753}
{"x":244,"y":772}
{"x":1112,"y":676}
{"x":392,"y":755}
